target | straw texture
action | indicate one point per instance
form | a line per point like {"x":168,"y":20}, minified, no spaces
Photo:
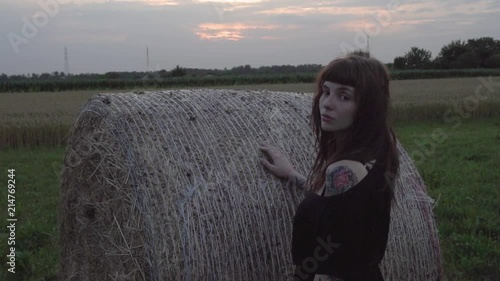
{"x":168,"y":186}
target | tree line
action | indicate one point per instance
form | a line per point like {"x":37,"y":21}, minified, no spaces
{"x":164,"y":74}
{"x":481,"y":52}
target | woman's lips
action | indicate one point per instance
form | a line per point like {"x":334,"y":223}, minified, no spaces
{"x":326,"y":118}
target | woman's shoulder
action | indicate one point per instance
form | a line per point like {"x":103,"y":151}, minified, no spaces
{"x":343,"y":175}
{"x":347,"y":167}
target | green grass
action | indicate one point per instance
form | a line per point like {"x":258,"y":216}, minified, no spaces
{"x":461,"y":174}
{"x":37,"y":195}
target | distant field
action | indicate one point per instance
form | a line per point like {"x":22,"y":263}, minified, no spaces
{"x":43,"y":118}
{"x":64,"y":106}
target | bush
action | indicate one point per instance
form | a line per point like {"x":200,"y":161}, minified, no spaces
{"x":467,"y":60}
{"x":493,"y":61}
{"x":400,"y":63}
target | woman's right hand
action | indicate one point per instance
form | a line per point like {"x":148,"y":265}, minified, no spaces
{"x":279,"y":164}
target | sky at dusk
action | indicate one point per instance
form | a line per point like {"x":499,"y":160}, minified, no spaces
{"x":104,"y":36}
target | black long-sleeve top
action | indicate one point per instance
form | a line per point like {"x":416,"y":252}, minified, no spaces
{"x":344,"y":235}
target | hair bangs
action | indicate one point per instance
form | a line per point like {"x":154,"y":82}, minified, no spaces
{"x":342,"y":72}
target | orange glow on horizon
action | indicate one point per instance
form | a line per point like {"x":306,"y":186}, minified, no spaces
{"x":234,"y":31}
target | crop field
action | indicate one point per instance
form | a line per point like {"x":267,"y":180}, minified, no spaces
{"x":44,"y":118}
{"x":117,"y":80}
{"x":62,"y":107}
{"x":461,"y":171}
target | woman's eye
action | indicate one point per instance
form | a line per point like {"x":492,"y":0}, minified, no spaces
{"x":344,"y":96}
{"x":325,"y":92}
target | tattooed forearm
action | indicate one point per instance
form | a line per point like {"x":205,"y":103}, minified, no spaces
{"x":298,"y":180}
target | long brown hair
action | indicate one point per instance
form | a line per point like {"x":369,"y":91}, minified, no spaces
{"x":370,"y":135}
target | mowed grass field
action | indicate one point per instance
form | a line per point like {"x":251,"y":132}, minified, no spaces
{"x":460,"y":170}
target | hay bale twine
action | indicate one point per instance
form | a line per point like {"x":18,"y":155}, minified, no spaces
{"x":168,"y":186}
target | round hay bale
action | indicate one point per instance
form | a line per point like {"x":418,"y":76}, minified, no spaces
{"x":168,"y":186}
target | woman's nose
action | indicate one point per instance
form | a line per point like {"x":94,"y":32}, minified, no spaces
{"x":329,"y":104}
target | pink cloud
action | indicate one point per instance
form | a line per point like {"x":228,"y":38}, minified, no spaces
{"x":302,"y":10}
{"x":235,"y":31}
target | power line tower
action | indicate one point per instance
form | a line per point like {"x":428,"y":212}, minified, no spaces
{"x":66,"y":61}
{"x":147,"y":58}
{"x":368,"y":45}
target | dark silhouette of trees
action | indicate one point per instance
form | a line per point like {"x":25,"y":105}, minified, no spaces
{"x":473,"y":53}
{"x":361,"y":53}
{"x":178,"y":72}
{"x":400,"y":63}
{"x":493,"y":61}
{"x":451,"y":52}
{"x":466,"y":60}
{"x":484,"y":48}
{"x":415,"y":58}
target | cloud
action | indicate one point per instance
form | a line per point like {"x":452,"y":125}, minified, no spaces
{"x":104,"y":35}
{"x":229,"y":1}
{"x":418,"y":16}
{"x":272,"y":38}
{"x":235,"y":31}
{"x":92,"y":38}
{"x":321,"y":10}
{"x":465,"y":22}
{"x":395,"y":26}
{"x":147,"y":2}
{"x":443,"y":9}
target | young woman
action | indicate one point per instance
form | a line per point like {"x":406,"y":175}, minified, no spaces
{"x":340,"y":229}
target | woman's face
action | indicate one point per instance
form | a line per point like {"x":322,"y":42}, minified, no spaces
{"x":337,"y":102}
